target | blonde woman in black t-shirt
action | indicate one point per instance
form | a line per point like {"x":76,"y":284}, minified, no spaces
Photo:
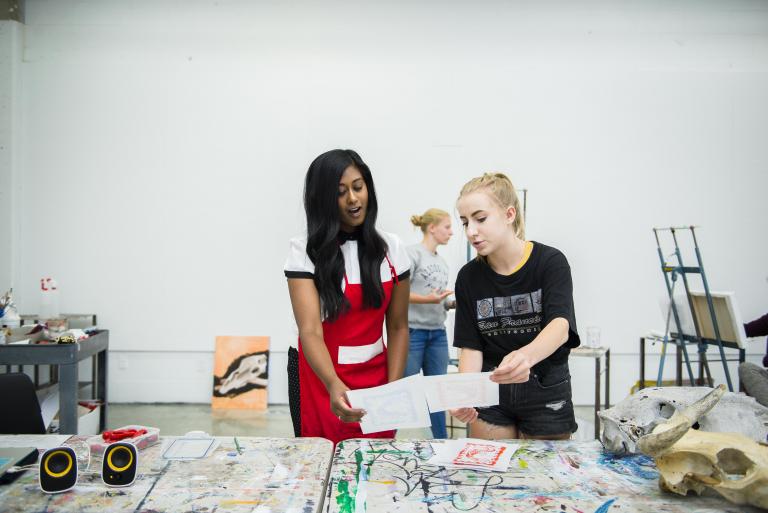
{"x":515,"y":317}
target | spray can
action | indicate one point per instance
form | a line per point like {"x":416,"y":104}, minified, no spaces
{"x":49,"y":298}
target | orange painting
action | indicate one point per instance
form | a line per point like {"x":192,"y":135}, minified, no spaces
{"x":240,"y":373}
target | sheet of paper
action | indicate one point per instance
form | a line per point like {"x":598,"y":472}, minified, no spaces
{"x":474,"y":454}
{"x":189,"y":448}
{"x":38,"y":441}
{"x":49,"y":403}
{"x":396,"y":405}
{"x":468,"y":389}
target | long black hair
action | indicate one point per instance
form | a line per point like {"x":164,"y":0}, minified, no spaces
{"x":321,"y":204}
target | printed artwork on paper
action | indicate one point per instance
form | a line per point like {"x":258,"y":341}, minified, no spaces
{"x":479,"y":454}
{"x":240,"y":373}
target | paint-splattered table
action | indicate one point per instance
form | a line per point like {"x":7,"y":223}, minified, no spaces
{"x":268,"y":474}
{"x":392,"y":476}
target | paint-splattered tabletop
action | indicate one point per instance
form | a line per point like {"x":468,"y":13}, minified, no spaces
{"x":266,"y":474}
{"x":574,"y":477}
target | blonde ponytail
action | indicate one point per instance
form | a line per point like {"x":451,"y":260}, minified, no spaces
{"x":428,"y":218}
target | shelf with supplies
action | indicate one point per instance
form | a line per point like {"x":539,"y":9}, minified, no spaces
{"x":74,"y":320}
{"x":64,"y":362}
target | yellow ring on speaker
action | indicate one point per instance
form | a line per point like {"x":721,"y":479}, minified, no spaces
{"x":109,"y":458}
{"x":62,"y":473}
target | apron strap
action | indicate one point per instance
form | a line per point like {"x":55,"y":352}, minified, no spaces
{"x":346,"y":281}
{"x":392,"y":270}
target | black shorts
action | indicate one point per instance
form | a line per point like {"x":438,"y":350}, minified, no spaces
{"x":541,"y":406}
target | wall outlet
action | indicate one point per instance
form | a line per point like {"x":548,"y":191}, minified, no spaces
{"x":122,"y":363}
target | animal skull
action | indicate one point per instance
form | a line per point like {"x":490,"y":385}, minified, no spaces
{"x":731,"y":464}
{"x":639,"y":414}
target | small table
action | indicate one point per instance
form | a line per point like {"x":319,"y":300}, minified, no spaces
{"x":598,"y":353}
{"x":269,"y":474}
{"x":66,"y":357}
{"x":393,"y":475}
{"x":702,"y":363}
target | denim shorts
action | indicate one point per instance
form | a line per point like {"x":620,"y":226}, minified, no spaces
{"x":541,"y":406}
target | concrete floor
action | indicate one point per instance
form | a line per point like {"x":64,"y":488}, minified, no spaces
{"x":178,"y":419}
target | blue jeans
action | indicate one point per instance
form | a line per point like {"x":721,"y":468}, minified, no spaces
{"x":428,"y":350}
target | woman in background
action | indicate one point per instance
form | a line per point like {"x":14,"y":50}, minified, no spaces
{"x":345,"y":279}
{"x":428,"y":348}
{"x":752,"y":376}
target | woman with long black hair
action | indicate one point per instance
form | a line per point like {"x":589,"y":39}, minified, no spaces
{"x":345,"y":279}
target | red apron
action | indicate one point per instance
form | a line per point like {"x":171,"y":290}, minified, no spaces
{"x":359,"y":326}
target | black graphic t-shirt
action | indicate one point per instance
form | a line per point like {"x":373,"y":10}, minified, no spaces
{"x":498,"y":314}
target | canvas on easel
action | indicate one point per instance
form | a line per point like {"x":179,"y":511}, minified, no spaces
{"x":727,"y":313}
{"x":240,"y":373}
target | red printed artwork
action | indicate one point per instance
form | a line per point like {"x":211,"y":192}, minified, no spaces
{"x":479,"y":454}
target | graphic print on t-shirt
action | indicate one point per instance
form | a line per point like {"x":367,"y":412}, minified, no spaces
{"x":496,"y":314}
{"x":510,"y":314}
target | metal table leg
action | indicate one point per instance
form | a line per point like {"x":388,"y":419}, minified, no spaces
{"x":597,"y":397}
{"x":742,"y":358}
{"x":68,"y":399}
{"x":607,"y":378}
{"x":642,"y":363}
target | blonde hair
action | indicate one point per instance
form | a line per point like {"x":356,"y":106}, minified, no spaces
{"x":499,"y":187}
{"x":428,"y":218}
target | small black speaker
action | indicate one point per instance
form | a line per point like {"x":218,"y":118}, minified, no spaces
{"x":121,"y":460}
{"x":58,"y":470}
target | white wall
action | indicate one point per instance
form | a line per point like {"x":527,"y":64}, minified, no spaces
{"x":165,"y":143}
{"x":10,"y":147}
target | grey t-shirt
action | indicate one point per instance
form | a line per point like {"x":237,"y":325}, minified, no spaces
{"x":429,"y":271}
